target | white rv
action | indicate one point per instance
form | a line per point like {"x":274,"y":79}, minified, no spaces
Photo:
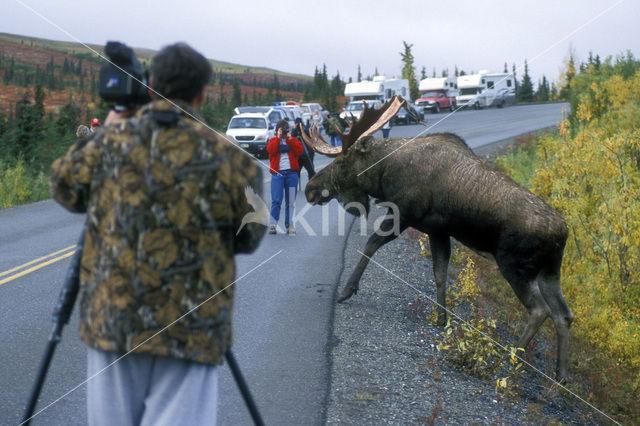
{"x":447,"y":84}
{"x":380,"y":88}
{"x":486,"y":89}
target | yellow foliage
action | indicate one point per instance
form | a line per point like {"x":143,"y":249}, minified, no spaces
{"x":14,"y":186}
{"x":590,"y":172}
{"x":18,"y":187}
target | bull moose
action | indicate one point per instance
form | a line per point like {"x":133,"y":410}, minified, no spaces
{"x":441,"y":188}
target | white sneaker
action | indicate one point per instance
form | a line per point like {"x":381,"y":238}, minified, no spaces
{"x":272,"y":229}
{"x":291,"y":230}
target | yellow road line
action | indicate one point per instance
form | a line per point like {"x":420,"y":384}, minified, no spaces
{"x":36,"y":267}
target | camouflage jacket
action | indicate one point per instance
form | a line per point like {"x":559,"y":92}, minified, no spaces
{"x":164,"y":199}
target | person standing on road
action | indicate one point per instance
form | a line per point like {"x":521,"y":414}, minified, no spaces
{"x":336,"y":128}
{"x":306,"y":159}
{"x":386,"y":129}
{"x":283,"y":151}
{"x":165,"y":198}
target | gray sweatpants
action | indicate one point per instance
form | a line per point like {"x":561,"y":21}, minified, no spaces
{"x":150,"y":390}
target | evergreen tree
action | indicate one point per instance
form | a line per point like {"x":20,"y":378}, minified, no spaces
{"x":236,"y":95}
{"x":543,"y":92}
{"x":525,"y":94}
{"x":69,"y":119}
{"x":276,"y":87}
{"x":359,"y":74}
{"x":408,"y":70}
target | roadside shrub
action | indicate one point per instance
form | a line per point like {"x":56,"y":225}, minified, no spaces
{"x":473,"y":345}
{"x":18,"y":186}
{"x":590,"y":172}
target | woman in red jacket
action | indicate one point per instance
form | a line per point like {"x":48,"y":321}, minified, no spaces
{"x":283,"y":151}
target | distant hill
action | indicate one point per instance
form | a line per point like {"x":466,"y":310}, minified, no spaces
{"x":69,"y":73}
{"x":79,"y":50}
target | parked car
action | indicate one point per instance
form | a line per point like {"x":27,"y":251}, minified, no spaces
{"x":273,"y":113}
{"x":290,"y":117}
{"x":403,"y":116}
{"x":437,"y":100}
{"x":314,"y":112}
{"x":355,"y":108}
{"x":252,"y":131}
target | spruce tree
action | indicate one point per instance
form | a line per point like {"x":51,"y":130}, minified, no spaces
{"x":525,"y":94}
{"x":408,"y":70}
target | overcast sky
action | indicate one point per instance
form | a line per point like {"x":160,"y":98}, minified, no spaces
{"x":297,"y":36}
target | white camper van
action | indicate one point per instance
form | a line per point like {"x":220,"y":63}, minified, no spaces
{"x":374,"y":92}
{"x":380,"y":88}
{"x":486,"y":89}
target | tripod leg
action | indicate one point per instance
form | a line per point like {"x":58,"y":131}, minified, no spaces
{"x":244,"y":389}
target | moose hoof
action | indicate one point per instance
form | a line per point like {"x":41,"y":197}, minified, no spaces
{"x":347,"y":293}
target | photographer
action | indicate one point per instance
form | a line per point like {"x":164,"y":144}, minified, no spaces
{"x":164,"y":199}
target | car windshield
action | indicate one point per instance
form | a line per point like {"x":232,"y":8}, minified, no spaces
{"x":430,"y":95}
{"x":248,"y":123}
{"x":355,"y":107}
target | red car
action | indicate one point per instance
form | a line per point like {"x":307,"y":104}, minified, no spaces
{"x":436,"y":100}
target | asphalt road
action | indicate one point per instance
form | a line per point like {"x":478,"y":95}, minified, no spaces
{"x":283,"y":311}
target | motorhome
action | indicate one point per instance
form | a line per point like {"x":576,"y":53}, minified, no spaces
{"x":486,"y":89}
{"x":437,"y":94}
{"x":380,"y":88}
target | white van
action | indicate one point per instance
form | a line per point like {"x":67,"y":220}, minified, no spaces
{"x":252,"y":131}
{"x":355,"y":108}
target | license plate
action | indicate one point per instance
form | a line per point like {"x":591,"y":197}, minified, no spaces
{"x":244,"y":145}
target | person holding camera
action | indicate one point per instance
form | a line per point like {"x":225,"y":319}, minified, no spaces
{"x":165,"y":199}
{"x":283,"y":151}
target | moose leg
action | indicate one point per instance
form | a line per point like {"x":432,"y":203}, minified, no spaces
{"x":375,"y":241}
{"x":528,"y":292}
{"x":529,"y":295}
{"x":549,"y":283}
{"x":440,"y":252}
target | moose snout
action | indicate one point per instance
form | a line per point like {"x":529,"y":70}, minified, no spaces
{"x":316,"y":195}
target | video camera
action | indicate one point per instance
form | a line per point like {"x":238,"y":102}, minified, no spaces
{"x":122,"y":80}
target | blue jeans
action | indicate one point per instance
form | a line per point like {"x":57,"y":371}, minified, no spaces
{"x":335,"y":140}
{"x":285,"y":179}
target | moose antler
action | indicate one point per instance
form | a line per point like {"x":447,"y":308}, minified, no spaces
{"x":370,"y":122}
{"x":315,"y":142}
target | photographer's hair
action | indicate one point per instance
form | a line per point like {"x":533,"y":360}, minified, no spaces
{"x":179,"y":72}
{"x":284,"y":124}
